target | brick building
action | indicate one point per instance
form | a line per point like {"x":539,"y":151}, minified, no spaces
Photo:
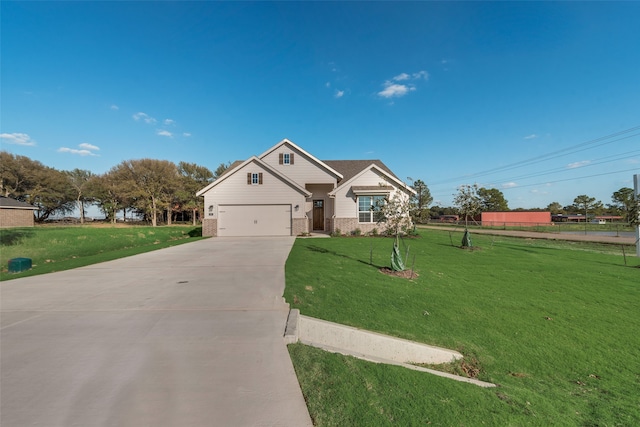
{"x":14,"y":213}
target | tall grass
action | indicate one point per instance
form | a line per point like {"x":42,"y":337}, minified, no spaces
{"x":62,"y":248}
{"x":553,"y":324}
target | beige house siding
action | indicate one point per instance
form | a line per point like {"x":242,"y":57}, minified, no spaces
{"x":10,"y":217}
{"x":346,"y":201}
{"x":236,"y":191}
{"x":303,"y":170}
{"x":296,"y":185}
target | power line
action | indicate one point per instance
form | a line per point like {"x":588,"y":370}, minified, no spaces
{"x":597,"y":162}
{"x":439,"y":195}
{"x":572,"y":179}
{"x":555,"y":154}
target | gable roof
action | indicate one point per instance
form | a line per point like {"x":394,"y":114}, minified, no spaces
{"x":313,"y":159}
{"x":239,"y":165}
{"x":9,"y":203}
{"x":350,"y":168}
{"x":377,"y":164}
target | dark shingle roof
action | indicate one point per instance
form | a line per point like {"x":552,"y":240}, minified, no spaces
{"x":7,"y":202}
{"x":350,"y":168}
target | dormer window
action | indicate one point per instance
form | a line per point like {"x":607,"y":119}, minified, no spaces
{"x":286,"y":158}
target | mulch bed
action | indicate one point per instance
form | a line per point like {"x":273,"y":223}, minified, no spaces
{"x":406,"y":274}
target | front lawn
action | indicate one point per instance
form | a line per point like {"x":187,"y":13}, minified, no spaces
{"x":553,"y":324}
{"x":62,"y":248}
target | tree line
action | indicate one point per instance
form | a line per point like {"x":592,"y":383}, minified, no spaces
{"x":471,"y":200}
{"x":155,"y":189}
{"x":160,"y":190}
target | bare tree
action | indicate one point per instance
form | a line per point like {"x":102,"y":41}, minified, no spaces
{"x":468,"y":202}
{"x":395,"y":213}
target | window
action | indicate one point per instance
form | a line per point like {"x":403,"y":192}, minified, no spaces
{"x":254,"y":178}
{"x":369,"y":208}
{"x":285,"y":158}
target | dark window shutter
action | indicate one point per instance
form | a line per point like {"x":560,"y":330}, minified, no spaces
{"x":281,"y":158}
{"x":291,"y":158}
{"x":249,"y":178}
{"x":260,"y":178}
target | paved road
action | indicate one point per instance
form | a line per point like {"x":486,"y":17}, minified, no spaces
{"x":184,"y":336}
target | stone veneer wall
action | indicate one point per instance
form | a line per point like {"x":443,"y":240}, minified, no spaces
{"x":210,"y":227}
{"x":16,"y":218}
{"x":348,"y":225}
{"x":299,"y":226}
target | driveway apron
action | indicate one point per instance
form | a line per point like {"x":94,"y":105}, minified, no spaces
{"x":185,"y":336}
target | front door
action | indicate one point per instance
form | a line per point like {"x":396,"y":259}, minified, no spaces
{"x":318,"y":214}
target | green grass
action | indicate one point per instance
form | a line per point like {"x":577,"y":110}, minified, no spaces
{"x":556,"y":228}
{"x":62,"y":248}
{"x":554,"y":324}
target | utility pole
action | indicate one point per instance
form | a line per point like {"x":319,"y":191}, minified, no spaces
{"x":636,"y":186}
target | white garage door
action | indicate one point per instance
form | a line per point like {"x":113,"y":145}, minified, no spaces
{"x":254,"y":220}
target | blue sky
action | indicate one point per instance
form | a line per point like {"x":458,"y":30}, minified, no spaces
{"x":538,"y":99}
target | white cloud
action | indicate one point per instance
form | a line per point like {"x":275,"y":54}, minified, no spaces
{"x":339,"y":94}
{"x":509,"y":185}
{"x":76,"y":151}
{"x":85,"y":150}
{"x":186,"y":134}
{"x":17,"y":138}
{"x":169,"y":122}
{"x":578,"y":164}
{"x":163,"y":132}
{"x":114,"y":107}
{"x":327,"y":84}
{"x":532,"y":136}
{"x":145,"y":117}
{"x":421,"y":75}
{"x":394,"y":90}
{"x":86,"y":146}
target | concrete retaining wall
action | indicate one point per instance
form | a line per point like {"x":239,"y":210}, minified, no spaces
{"x":370,"y":344}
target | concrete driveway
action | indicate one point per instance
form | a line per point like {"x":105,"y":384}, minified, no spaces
{"x":185,"y":336}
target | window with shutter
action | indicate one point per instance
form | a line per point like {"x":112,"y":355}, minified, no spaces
{"x":285,"y":158}
{"x":254,"y":178}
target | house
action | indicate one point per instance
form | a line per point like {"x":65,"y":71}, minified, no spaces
{"x":286,"y":191}
{"x":14,"y":213}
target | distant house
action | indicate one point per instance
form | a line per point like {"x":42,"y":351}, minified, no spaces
{"x":14,"y":213}
{"x":286,"y":191}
